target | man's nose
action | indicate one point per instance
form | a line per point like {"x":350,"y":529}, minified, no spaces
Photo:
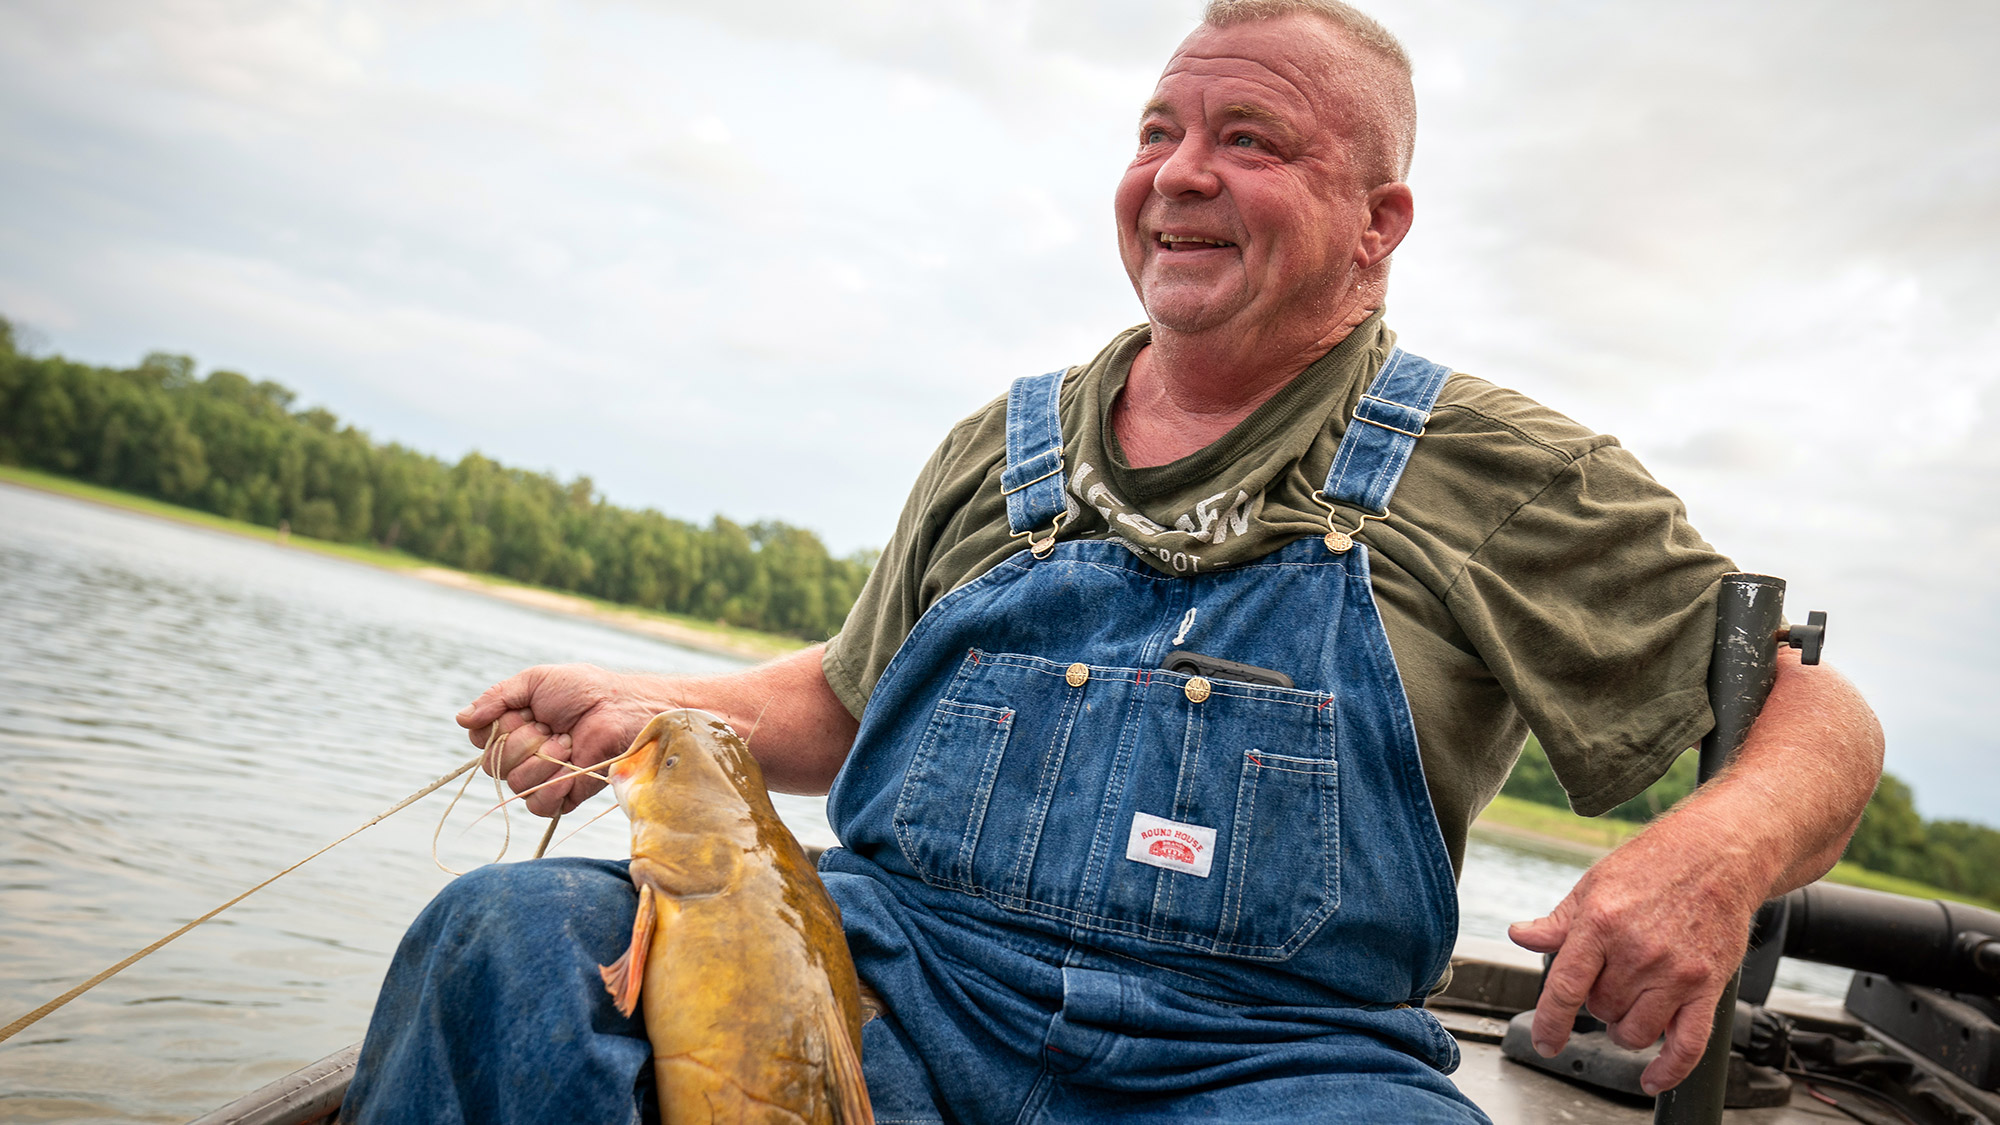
{"x":1189,"y":171}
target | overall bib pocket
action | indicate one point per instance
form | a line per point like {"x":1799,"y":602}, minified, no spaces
{"x":960,"y":755}
{"x":1129,"y":801}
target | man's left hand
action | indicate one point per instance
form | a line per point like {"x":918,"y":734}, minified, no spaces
{"x":1650,"y":936}
{"x":1648,"y":939}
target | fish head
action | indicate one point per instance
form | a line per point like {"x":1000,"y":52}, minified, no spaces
{"x":683,"y":759}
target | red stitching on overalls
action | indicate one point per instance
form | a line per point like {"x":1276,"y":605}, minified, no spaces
{"x":1323,"y":703}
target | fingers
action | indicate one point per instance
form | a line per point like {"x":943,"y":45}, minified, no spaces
{"x":559,"y":696}
{"x":514,"y":693}
{"x":568,"y":789}
{"x":546,"y":716}
{"x":521,"y":739}
{"x":525,"y":754}
{"x":1543,"y":935}
{"x":1568,"y":981}
{"x":1638,"y":999}
{"x":1640,"y":1022}
{"x":504,"y":742}
{"x":582,"y":788}
{"x":1570,"y":978}
{"x":1687,"y":1038}
{"x":535,"y":756}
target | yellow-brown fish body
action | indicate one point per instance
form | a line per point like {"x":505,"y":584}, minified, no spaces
{"x":750,"y":996}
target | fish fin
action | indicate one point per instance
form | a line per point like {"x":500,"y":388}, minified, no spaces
{"x":623,"y":977}
{"x":848,"y":1084}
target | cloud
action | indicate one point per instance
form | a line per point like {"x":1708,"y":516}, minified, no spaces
{"x":1009,"y":51}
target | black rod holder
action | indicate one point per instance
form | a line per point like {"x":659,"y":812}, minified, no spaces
{"x":1749,"y":612}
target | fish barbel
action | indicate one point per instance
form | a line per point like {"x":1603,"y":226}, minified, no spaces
{"x":750,"y":996}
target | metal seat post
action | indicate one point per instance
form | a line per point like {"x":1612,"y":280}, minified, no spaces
{"x":1749,"y":617}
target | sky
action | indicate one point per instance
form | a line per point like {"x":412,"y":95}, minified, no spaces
{"x":756,"y":258}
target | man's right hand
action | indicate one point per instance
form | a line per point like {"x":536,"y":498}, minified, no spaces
{"x":581,"y":714}
{"x":575,"y":713}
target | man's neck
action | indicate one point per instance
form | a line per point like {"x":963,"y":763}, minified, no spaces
{"x":1186,"y":391}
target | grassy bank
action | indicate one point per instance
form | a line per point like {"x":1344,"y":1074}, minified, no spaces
{"x":145,"y":505}
{"x":1512,"y":816}
{"x":1587,"y":838}
{"x":708,"y":636}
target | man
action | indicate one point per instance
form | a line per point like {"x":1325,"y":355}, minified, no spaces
{"x":1086,"y":884}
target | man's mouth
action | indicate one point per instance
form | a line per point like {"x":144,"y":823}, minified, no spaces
{"x":1183,"y":242}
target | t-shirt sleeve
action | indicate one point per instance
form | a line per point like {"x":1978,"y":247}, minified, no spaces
{"x":892,"y":599}
{"x":1594,"y":605}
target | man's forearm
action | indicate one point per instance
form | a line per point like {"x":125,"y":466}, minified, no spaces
{"x":1815,"y":865}
{"x":1787,"y":804}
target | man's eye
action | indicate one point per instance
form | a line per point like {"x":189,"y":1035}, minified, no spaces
{"x":1154,"y":136}
{"x":1244,"y":140}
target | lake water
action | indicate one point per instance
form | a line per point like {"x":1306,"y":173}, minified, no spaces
{"x":184,"y":712}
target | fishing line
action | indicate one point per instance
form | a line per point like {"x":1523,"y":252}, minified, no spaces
{"x":18,"y":1025}
{"x":566,"y":839}
{"x":493,"y":760}
{"x":491,"y":756}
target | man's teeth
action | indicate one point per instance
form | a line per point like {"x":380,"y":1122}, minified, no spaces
{"x":1173,"y":238}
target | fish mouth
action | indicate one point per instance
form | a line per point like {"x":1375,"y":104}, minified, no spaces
{"x":621,"y":786}
{"x":624,"y":777}
{"x":640,"y":762}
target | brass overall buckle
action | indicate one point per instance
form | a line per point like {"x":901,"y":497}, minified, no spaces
{"x":1341,"y":540}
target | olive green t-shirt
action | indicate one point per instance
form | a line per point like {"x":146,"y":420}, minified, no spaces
{"x":1530,"y":574}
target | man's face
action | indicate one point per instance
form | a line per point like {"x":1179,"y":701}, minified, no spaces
{"x":1244,"y":208}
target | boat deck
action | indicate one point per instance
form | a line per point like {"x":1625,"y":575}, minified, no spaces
{"x":1490,"y":981}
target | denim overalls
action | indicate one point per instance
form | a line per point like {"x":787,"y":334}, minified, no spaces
{"x":1086,"y":885}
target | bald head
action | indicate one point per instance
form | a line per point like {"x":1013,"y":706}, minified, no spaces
{"x":1381,"y":83}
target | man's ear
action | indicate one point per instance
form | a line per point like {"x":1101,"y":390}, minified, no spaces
{"x":1391,"y":209}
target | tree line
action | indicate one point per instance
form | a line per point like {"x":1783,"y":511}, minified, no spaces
{"x":240,"y":448}
{"x":1893,"y":837}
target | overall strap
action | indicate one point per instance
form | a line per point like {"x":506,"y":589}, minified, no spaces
{"x":1387,"y":423}
{"x":1033,"y":481}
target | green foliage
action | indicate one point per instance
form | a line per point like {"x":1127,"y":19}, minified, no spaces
{"x":1534,"y":779}
{"x":1679,"y":780}
{"x":1893,"y":838}
{"x":228,"y":445}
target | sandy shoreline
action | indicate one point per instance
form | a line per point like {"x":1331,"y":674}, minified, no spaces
{"x":570,"y":605}
{"x":742,"y":644}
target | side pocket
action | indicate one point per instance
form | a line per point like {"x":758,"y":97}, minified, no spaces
{"x":1284,"y":875}
{"x":947,"y":789}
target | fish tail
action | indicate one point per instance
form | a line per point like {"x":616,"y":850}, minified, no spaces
{"x":623,"y":977}
{"x":846,"y":1083}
